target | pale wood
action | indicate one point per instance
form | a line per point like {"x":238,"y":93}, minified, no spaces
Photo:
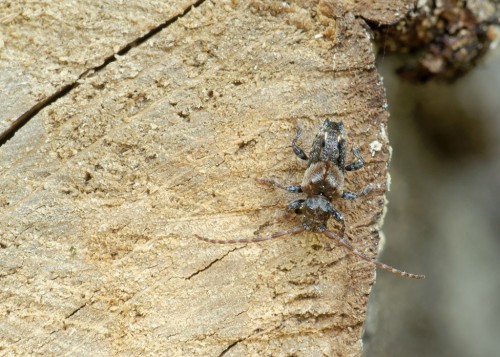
{"x":102,"y":192}
{"x":47,"y":45}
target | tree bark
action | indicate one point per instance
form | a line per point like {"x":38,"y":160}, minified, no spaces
{"x":124,"y":158}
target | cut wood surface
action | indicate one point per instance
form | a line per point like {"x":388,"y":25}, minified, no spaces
{"x":103,"y":190}
{"x":47,"y":46}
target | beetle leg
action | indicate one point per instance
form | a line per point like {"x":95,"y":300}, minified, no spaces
{"x":356,"y":165}
{"x":274,"y":182}
{"x":296,"y":149}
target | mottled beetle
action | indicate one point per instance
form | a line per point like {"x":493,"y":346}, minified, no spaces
{"x":323,"y":182}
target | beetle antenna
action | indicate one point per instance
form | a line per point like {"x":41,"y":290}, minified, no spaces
{"x":353,"y":250}
{"x":291,"y":231}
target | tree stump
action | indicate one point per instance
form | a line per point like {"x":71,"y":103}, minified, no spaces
{"x":138,"y":126}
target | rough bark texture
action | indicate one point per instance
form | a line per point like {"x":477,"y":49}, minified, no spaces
{"x":102,"y":191}
{"x":449,"y":38}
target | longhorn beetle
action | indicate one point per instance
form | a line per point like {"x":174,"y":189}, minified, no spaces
{"x":323,"y":182}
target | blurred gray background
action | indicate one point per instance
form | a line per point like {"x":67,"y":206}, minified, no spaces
{"x":443,"y":218}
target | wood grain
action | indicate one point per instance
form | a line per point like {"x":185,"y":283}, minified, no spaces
{"x":102,"y":191}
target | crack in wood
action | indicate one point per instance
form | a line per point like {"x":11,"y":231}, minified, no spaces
{"x":211,"y":263}
{"x":30,"y":113}
{"x":75,"y":311}
{"x":230,"y":347}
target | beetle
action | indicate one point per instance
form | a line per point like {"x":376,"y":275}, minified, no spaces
{"x":322,"y":183}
